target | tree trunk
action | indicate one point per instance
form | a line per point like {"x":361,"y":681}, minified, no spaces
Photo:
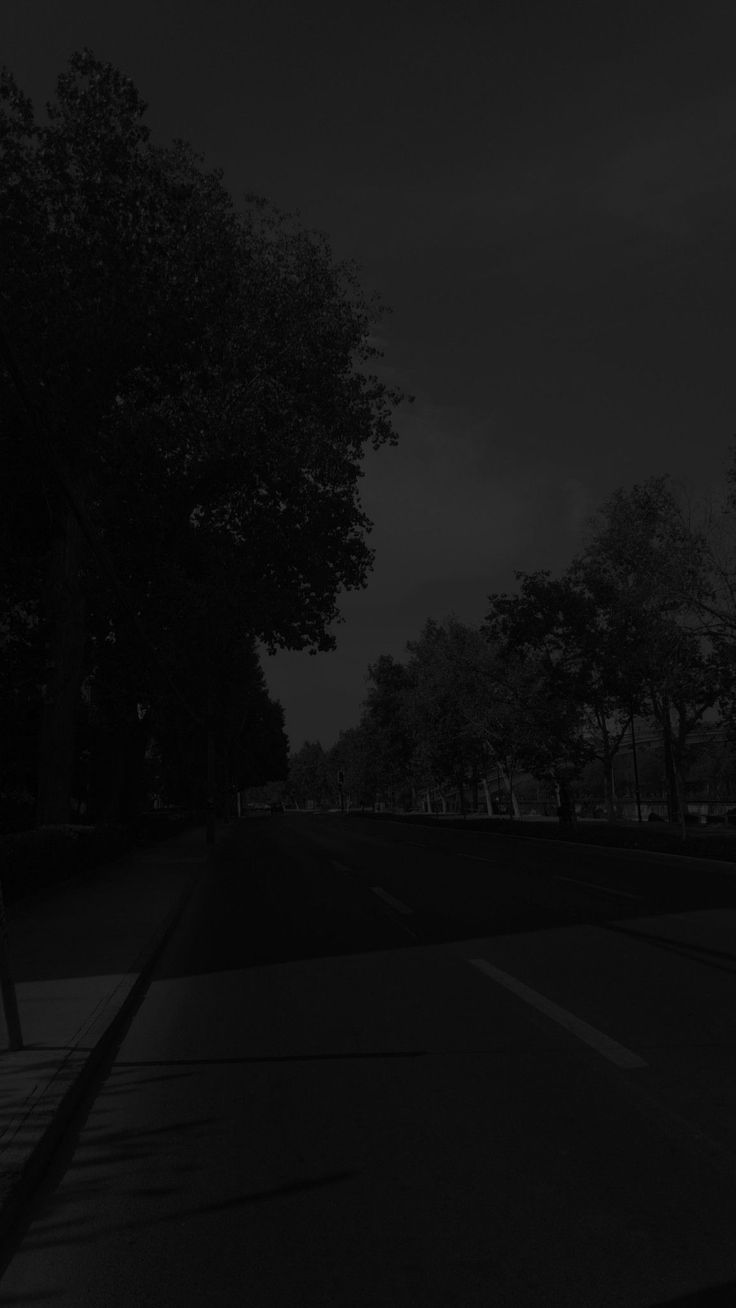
{"x":489,"y":806}
{"x":65,"y":612}
{"x":509,"y":789}
{"x":673,"y":796}
{"x":566,"y":808}
{"x":608,"y":784}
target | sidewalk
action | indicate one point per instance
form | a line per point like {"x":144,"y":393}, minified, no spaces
{"x":80,"y":955}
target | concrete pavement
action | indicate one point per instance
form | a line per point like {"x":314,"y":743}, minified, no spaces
{"x":80,"y":956}
{"x":394,"y":1126}
{"x":400,"y":1126}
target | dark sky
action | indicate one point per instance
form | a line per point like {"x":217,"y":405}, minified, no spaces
{"x":546,"y":196}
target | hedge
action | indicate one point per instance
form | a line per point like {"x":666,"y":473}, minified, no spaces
{"x":32,"y":860}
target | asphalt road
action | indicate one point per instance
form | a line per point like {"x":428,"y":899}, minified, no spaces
{"x":383,"y":1064}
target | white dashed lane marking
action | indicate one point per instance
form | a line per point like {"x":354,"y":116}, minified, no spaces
{"x":594,"y":885}
{"x":603,"y":1044}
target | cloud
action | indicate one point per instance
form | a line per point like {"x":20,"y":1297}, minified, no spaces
{"x":675,"y":170}
{"x":579,"y":502}
{"x":451,"y":501}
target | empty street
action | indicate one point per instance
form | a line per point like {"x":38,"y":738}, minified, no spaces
{"x":383,"y":1063}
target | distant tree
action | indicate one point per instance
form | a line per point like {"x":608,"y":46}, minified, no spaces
{"x":644,"y":566}
{"x":545,"y":677}
{"x":712,"y":764}
{"x":387,"y":730}
{"x":309,"y":781}
{"x":583,"y":652}
{"x":351,"y":755}
{"x":437,"y":721}
{"x":715,"y":605}
{"x":457,"y":713}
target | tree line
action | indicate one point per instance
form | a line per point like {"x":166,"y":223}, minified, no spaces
{"x":186,"y":397}
{"x":640,"y":628}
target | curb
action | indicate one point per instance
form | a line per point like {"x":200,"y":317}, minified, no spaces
{"x":79,"y":1072}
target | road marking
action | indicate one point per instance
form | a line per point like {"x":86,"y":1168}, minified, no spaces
{"x":607,"y":890}
{"x":604,"y":1045}
{"x":394,"y":903}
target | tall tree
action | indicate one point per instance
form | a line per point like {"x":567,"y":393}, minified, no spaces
{"x":458,"y":714}
{"x":584,"y":652}
{"x":645,"y":566}
{"x":545,"y":678}
{"x":195,"y":378}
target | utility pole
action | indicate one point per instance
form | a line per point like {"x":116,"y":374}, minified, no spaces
{"x":210,"y":730}
{"x":636,"y":770}
{"x":210,"y":781}
{"x":7,"y":985}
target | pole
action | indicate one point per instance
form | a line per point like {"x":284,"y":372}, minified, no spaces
{"x":636,"y":771}
{"x":210,"y":728}
{"x":210,"y":781}
{"x":7,"y":985}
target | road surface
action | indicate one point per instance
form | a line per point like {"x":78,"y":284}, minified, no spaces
{"x":386,"y":1064}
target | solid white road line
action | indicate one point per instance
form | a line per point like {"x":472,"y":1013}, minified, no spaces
{"x":394,"y":903}
{"x":604,"y":1045}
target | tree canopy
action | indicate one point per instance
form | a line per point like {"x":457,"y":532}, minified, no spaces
{"x":187,"y":395}
{"x":636,"y":633}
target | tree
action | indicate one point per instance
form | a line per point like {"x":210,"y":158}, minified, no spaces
{"x":309,"y":781}
{"x":351,"y":755}
{"x":257,"y":745}
{"x":387,"y":730}
{"x":715,"y":606}
{"x":645,"y":568}
{"x":194,"y":379}
{"x":456,"y":707}
{"x":559,"y":620}
{"x":545,"y":676}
